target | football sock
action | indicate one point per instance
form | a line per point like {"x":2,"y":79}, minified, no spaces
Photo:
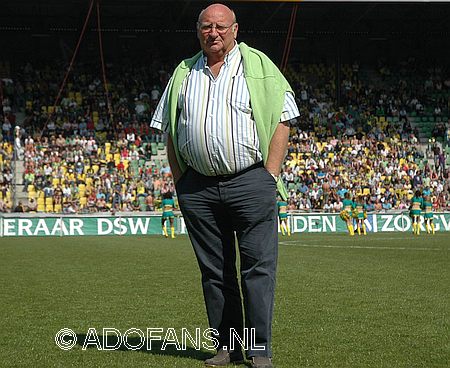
{"x":351,"y":230}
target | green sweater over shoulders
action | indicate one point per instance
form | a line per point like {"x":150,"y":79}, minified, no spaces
{"x":267,"y":88}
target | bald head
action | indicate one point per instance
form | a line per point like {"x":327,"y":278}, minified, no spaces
{"x":218,"y":9}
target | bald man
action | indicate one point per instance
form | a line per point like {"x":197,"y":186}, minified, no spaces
{"x":227,"y":111}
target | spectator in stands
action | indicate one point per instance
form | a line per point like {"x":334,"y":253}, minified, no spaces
{"x":328,"y":206}
{"x":19,"y":208}
{"x":70,"y":208}
{"x":101,"y":204}
{"x":91,"y":202}
{"x":135,"y":205}
{"x":7,"y":130}
{"x":58,"y":195}
{"x":149,"y":202}
{"x":3,"y":207}
{"x":32,"y":205}
{"x":116,"y":199}
{"x":165,"y":171}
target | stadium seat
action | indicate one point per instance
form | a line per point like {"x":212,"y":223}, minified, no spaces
{"x":83,"y":201}
{"x":117,"y":158}
{"x":154,"y":148}
{"x":78,"y":98}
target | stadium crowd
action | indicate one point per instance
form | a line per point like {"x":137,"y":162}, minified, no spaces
{"x":93,"y":153}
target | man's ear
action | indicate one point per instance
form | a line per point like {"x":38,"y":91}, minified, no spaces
{"x":235,"y":30}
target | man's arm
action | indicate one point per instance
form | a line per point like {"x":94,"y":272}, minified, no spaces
{"x":173,"y":162}
{"x":277,"y":148}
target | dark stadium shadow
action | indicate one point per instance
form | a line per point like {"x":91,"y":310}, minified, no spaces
{"x":135,"y":343}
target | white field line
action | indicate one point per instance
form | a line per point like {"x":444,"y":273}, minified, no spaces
{"x":296,"y":243}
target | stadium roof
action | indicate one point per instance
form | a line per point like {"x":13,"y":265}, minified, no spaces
{"x":314,"y":19}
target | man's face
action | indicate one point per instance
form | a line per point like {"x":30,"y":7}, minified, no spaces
{"x":216,"y":30}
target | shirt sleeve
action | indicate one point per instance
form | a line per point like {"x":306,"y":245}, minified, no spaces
{"x":290,"y":110}
{"x":160,"y":119}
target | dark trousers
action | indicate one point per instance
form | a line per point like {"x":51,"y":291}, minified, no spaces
{"x":217,"y":210}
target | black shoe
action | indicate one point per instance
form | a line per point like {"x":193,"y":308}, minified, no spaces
{"x":224,"y":357}
{"x":261,"y":362}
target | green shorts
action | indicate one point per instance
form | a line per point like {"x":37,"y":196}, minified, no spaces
{"x":168,"y":215}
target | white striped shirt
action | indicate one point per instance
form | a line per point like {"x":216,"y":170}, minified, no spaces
{"x":216,"y":131}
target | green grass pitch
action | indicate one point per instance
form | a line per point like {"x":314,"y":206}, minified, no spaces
{"x":377,"y":301}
